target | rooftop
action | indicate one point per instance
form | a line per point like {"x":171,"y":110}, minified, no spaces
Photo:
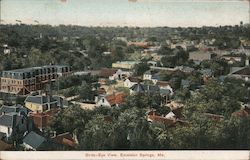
{"x":34,"y":140}
{"x":40,"y":99}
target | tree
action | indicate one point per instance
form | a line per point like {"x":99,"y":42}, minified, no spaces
{"x":141,"y":68}
{"x":86,"y":92}
{"x":71,"y":119}
{"x":98,"y":134}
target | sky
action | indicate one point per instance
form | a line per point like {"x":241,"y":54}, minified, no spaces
{"x":142,"y":13}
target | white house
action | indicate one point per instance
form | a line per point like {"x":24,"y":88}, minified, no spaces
{"x":110,"y":100}
{"x":119,"y":74}
{"x":12,"y":123}
{"x":147,"y":75}
{"x":129,"y":82}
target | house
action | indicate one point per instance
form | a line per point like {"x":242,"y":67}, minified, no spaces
{"x":107,"y":72}
{"x":125,"y":64}
{"x":165,"y":85}
{"x":26,"y":80}
{"x":151,"y":75}
{"x":241,"y":73}
{"x":129,"y":82}
{"x":232,"y":59}
{"x":152,"y":63}
{"x":155,"y":117}
{"x":13,"y":124}
{"x":200,"y":56}
{"x":35,"y":142}
{"x":143,"y":88}
{"x":148,"y":75}
{"x":66,"y":140}
{"x":185,"y":69}
{"x":40,"y":103}
{"x":173,"y":105}
{"x":244,"y":112}
{"x":175,"y":114}
{"x":13,"y":109}
{"x":110,"y":100}
{"x":41,"y":119}
{"x":114,"y":74}
{"x":169,"y":120}
{"x":156,"y":57}
{"x":166,"y":95}
{"x":61,"y":102}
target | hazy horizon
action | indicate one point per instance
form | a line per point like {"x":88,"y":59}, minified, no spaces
{"x":131,"y":13}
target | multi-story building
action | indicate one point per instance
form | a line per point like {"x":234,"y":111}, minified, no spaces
{"x":24,"y":81}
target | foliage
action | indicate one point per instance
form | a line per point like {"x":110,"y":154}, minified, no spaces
{"x":141,"y":68}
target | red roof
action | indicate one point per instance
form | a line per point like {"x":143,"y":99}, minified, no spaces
{"x":156,"y":117}
{"x":41,"y":120}
{"x":160,"y":119}
{"x":243,"y":113}
{"x":162,"y":83}
{"x":107,"y":72}
{"x":117,"y":98}
{"x":65,"y":139}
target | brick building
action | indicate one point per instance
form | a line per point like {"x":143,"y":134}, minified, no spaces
{"x":24,"y":81}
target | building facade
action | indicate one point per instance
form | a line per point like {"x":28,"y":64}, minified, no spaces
{"x":24,"y":81}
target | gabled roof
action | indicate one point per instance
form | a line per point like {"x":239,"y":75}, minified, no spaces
{"x":162,"y":83}
{"x":65,"y":139}
{"x":137,"y":88}
{"x":13,"y":109}
{"x":117,"y":98}
{"x":243,"y":71}
{"x":242,"y":113}
{"x":40,"y":99}
{"x":178,"y":112}
{"x":34,"y":140}
{"x":10,"y":120}
{"x":106,"y":72}
{"x":41,"y":120}
{"x":145,"y":88}
{"x":160,"y":119}
{"x":134,"y":79}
